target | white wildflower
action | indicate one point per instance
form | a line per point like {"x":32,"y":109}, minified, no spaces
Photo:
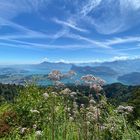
{"x":96,"y":87}
{"x":34,"y":126}
{"x":46,"y":95}
{"x":82,"y":105}
{"x":75,"y":105}
{"x":121,"y":109}
{"x":88,"y":123}
{"x":71,"y":119}
{"x":55,"y":75}
{"x":66,"y":91}
{"x":23,"y":130}
{"x":38,"y":133}
{"x":125,"y":109}
{"x":54,"y":93}
{"x":94,"y":113}
{"x":102,"y":127}
{"x":100,"y":81}
{"x":68,"y":109}
{"x":92,"y":102}
{"x":129,"y":108}
{"x":88,"y":78}
{"x":72,"y":94}
{"x":34,"y":111}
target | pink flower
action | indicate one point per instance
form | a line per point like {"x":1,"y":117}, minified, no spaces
{"x":88,"y":78}
{"x":96,"y":87}
{"x":55,"y":75}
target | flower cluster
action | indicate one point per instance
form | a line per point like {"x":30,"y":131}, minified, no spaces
{"x":38,"y":133}
{"x":55,"y":75}
{"x":95,"y":83}
{"x":66,"y":91}
{"x":88,"y":78}
{"x":46,"y":95}
{"x":93,"y":113}
{"x":125,"y":109}
{"x":100,"y":81}
{"x":96,"y":87}
{"x":34,"y":111}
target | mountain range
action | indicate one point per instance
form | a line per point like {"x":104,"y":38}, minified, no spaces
{"x":125,"y":71}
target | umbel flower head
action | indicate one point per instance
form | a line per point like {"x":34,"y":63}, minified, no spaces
{"x":45,"y":95}
{"x":96,"y":87}
{"x":34,"y":111}
{"x":125,"y":109}
{"x":92,"y":102}
{"x":88,"y":78}
{"x":71,"y":119}
{"x":73,"y":94}
{"x":66,"y":91}
{"x":38,"y":133}
{"x":34,"y":126}
{"x":55,"y":75}
{"x":93,"y":82}
{"x":23,"y":130}
{"x":75,"y":106}
{"x":93,"y":113}
{"x":100,"y":81}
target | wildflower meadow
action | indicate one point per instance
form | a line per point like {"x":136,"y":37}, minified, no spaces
{"x":54,"y":113}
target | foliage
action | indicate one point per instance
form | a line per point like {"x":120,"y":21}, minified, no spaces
{"x":43,"y":113}
{"x":60,"y":112}
{"x":8,"y":92}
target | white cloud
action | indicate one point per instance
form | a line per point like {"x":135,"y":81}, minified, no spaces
{"x":60,"y":33}
{"x":22,"y":44}
{"x":116,"y":58}
{"x":134,"y":4}
{"x":70,"y":24}
{"x":91,"y":41}
{"x":9,"y":9}
{"x":105,"y":23}
{"x":120,"y":58}
{"x":25,"y":32}
{"x":128,"y":39}
{"x":12,"y":8}
{"x":45,"y":59}
{"x":89,"y":6}
{"x":110,"y":16}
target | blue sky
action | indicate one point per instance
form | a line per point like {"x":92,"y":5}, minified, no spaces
{"x":32,"y":31}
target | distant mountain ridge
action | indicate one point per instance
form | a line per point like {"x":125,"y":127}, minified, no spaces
{"x":115,"y":71}
{"x":131,"y":78}
{"x":124,"y":66}
{"x":97,"y":70}
{"x":49,"y":66}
